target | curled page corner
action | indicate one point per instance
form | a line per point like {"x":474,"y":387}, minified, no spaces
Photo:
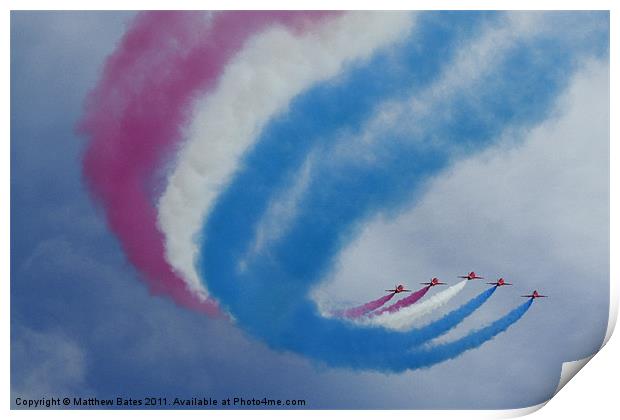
{"x":570,"y":369}
{"x":613,"y":313}
{"x":520,"y":412}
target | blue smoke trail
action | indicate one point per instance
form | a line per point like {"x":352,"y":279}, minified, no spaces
{"x":445,"y":324}
{"x":387,"y":345}
{"x":443,"y":352}
{"x":270,"y":298}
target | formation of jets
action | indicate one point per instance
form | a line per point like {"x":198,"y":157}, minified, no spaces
{"x":471,"y":276}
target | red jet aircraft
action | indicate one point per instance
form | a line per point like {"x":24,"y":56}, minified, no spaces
{"x":501,"y":282}
{"x":471,"y":276}
{"x":533,"y":295}
{"x":434,"y":282}
{"x":398,"y":289}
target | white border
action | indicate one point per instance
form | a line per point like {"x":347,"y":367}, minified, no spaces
{"x":593,"y":394}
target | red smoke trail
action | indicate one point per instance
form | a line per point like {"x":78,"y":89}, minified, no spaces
{"x":403,"y":303}
{"x":134,"y":118}
{"x":365,"y":308}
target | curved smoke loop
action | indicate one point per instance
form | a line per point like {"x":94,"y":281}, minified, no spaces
{"x":135,"y":123}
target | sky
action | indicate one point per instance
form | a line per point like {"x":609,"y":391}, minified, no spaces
{"x":314,"y":168}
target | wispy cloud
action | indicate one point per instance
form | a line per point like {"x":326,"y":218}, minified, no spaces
{"x":46,"y":364}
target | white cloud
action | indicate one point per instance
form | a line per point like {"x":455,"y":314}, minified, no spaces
{"x":48,"y":363}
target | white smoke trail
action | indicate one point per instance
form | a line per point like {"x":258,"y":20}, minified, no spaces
{"x":259,"y":83}
{"x":405,"y":318}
